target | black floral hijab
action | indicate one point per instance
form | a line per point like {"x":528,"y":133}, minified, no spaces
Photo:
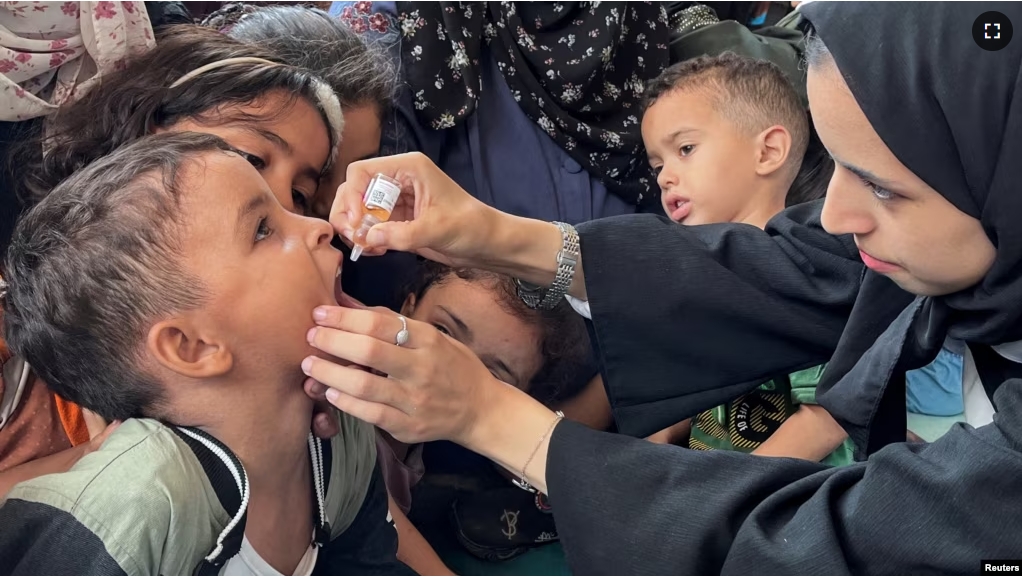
{"x":578,"y":69}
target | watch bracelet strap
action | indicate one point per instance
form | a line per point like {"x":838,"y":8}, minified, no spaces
{"x":567,"y":260}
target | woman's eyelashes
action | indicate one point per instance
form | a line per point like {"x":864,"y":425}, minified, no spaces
{"x":878,"y":191}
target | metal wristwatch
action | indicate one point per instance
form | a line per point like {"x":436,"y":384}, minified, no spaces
{"x":536,"y":297}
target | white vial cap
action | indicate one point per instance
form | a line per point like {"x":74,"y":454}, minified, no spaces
{"x":356,"y":251}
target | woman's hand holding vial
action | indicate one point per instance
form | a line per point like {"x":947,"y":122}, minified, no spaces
{"x":435,"y":218}
{"x":431,"y":215}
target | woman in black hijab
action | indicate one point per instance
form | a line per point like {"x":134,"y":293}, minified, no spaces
{"x":926,"y":129}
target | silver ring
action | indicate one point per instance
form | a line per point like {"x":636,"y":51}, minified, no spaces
{"x":402,"y":335}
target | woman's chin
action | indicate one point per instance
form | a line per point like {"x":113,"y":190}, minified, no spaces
{"x":920,"y":287}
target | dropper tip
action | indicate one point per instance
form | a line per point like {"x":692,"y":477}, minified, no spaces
{"x":356,"y":251}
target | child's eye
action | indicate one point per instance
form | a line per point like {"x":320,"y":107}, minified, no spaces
{"x":263,"y":230}
{"x":687,"y":149}
{"x":300,"y":201}
{"x":656,"y":170}
{"x":254,"y":160}
{"x":442,"y":328}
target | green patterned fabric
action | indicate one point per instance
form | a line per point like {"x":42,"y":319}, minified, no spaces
{"x":746,"y":422}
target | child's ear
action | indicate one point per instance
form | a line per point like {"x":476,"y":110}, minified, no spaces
{"x":182,"y":347}
{"x":408,"y":308}
{"x":774,"y":148}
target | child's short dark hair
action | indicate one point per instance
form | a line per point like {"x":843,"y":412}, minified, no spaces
{"x":137,"y":100}
{"x":568,"y":360}
{"x":93,"y":264}
{"x":754,"y":94}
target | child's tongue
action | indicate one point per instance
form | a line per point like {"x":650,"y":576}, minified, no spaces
{"x":344,"y":299}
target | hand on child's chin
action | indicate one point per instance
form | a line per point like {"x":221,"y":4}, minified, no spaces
{"x":324,"y":419}
{"x":324,"y":416}
{"x":346,"y":301}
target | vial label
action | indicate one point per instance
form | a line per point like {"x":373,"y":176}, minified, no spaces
{"x":382,"y":194}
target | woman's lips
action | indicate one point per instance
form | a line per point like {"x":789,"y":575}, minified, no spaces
{"x":880,"y":266}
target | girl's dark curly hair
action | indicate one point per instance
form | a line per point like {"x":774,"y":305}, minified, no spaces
{"x":568,"y":360}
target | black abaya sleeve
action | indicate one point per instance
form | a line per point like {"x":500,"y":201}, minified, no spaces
{"x":688,"y":317}
{"x":624,"y":506}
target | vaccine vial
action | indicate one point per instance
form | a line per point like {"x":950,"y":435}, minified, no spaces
{"x":378,"y":202}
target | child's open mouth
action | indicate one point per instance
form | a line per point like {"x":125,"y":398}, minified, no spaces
{"x":680,"y":208}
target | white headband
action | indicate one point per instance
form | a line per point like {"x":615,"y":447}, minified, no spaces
{"x":221,"y":64}
{"x":325,"y":96}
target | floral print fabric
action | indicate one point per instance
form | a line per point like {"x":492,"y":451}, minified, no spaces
{"x":577,"y":69}
{"x":360,"y":17}
{"x":50,"y":51}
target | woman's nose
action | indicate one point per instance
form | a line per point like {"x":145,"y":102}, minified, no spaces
{"x":848,"y":208}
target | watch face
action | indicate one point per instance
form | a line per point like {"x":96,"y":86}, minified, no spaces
{"x":528,"y":286}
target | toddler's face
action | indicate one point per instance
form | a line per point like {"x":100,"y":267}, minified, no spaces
{"x":471,"y":313}
{"x":265,"y":268}
{"x":705,"y":165}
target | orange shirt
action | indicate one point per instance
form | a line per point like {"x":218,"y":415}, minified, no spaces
{"x":42,"y":424}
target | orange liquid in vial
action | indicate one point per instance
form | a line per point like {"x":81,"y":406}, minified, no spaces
{"x":378,"y":203}
{"x":372,"y":216}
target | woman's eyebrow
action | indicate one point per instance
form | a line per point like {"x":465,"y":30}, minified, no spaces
{"x":866,"y":175}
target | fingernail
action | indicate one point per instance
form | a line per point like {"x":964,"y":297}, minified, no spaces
{"x":311,"y":335}
{"x":332,"y":395}
{"x":319,"y":314}
{"x":375,"y":237}
{"x":307,"y":365}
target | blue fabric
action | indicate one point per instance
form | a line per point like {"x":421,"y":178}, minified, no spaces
{"x":936,"y":389}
